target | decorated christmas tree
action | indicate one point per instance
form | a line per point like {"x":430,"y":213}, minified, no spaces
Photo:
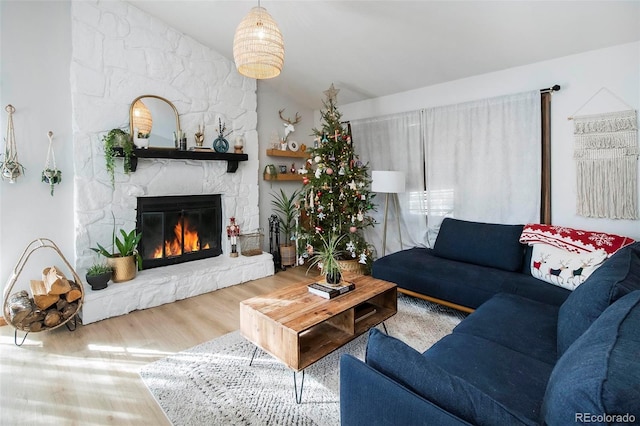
{"x":336,"y":195}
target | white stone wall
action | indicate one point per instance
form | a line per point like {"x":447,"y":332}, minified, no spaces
{"x":119,"y":53}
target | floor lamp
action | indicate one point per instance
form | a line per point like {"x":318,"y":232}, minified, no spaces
{"x":388,"y":182}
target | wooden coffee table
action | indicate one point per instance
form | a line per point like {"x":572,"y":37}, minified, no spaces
{"x":299,"y":328}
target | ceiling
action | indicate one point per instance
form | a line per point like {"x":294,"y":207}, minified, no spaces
{"x":375,"y":48}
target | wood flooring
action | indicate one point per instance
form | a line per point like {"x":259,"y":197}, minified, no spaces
{"x":90,"y":376}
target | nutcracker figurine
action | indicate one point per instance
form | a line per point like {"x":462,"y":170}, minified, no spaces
{"x":233,"y":231}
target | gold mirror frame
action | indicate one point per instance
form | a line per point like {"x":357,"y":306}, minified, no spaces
{"x":139,"y":98}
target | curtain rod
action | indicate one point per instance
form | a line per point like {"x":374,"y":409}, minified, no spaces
{"x":555,"y":88}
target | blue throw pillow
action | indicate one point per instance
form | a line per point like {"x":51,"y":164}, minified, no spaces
{"x":600,"y":373}
{"x":405,"y":365}
{"x":618,"y":276}
{"x":485,"y":244}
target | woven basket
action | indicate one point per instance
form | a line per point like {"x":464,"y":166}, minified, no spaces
{"x":352,"y":266}
{"x":251,"y":244}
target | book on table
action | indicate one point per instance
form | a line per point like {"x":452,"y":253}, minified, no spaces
{"x":329,"y":291}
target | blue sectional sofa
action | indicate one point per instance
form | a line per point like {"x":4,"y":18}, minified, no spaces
{"x":470,"y":263}
{"x":516,"y":360}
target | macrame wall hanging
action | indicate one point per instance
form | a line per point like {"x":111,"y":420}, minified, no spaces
{"x":606,"y":154}
{"x":11,"y":167}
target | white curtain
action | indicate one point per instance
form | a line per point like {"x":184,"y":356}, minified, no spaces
{"x":475,"y":161}
{"x":394,"y":142}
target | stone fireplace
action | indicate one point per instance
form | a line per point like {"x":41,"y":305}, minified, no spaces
{"x":120,"y":53}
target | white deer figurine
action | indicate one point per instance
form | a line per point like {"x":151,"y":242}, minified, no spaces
{"x":288,"y":123}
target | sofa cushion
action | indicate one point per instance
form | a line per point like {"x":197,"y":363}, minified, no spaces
{"x":532,"y":326}
{"x":515,"y":381}
{"x":600,"y":373}
{"x":485,"y":244}
{"x":618,"y":276}
{"x":465,"y":284}
{"x":407,"y":366}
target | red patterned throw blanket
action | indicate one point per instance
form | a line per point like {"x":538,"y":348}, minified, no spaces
{"x":573,"y":240}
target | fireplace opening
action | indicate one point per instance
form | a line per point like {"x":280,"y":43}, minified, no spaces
{"x":178,"y":229}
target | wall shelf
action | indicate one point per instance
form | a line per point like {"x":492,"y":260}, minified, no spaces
{"x":290,"y":154}
{"x":231,"y":159}
{"x":283,"y":177}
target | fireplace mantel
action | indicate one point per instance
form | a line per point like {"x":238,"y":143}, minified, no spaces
{"x":231,"y":159}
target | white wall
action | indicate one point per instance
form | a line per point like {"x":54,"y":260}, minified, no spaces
{"x":269,"y":103}
{"x":34,"y":70}
{"x":581,"y":76}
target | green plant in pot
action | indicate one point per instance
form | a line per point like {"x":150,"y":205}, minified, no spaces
{"x":117,"y":138}
{"x":286,"y":209}
{"x":126,"y":262}
{"x":326,"y":258}
{"x":98,"y":275}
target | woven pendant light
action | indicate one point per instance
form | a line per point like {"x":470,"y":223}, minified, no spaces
{"x":258,"y":47}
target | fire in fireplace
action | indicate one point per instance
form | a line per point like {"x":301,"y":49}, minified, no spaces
{"x":178,"y":229}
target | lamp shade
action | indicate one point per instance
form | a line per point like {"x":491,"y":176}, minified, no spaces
{"x":387,"y":181}
{"x":258,"y":47}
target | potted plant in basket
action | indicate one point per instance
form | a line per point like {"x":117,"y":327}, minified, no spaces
{"x":287,"y":211}
{"x":98,"y":275}
{"x":117,"y":138}
{"x":126,"y":262}
{"x":327,"y":258}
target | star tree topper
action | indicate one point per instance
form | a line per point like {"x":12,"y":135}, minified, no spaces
{"x":332,"y":94}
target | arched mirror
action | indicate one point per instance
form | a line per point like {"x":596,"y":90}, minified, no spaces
{"x":154,"y":118}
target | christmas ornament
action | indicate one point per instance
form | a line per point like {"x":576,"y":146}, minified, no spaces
{"x":305,"y":180}
{"x":353,"y":229}
{"x":363,"y":258}
{"x":329,"y":171}
{"x":350,"y":246}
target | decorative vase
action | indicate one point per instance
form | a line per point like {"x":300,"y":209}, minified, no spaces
{"x":220,"y":144}
{"x":98,"y":282}
{"x":124,"y":268}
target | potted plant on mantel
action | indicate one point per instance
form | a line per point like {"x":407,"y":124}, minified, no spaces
{"x":327,"y":258}
{"x":286,"y":210}
{"x":125,"y":263}
{"x":117,"y":138}
{"x":98,"y":275}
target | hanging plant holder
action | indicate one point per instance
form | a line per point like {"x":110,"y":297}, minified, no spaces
{"x":51,"y":175}
{"x":11,"y":167}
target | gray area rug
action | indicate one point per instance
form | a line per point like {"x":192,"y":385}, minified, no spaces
{"x":213,"y":384}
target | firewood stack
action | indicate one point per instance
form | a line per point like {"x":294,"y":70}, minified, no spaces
{"x":54,"y":300}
